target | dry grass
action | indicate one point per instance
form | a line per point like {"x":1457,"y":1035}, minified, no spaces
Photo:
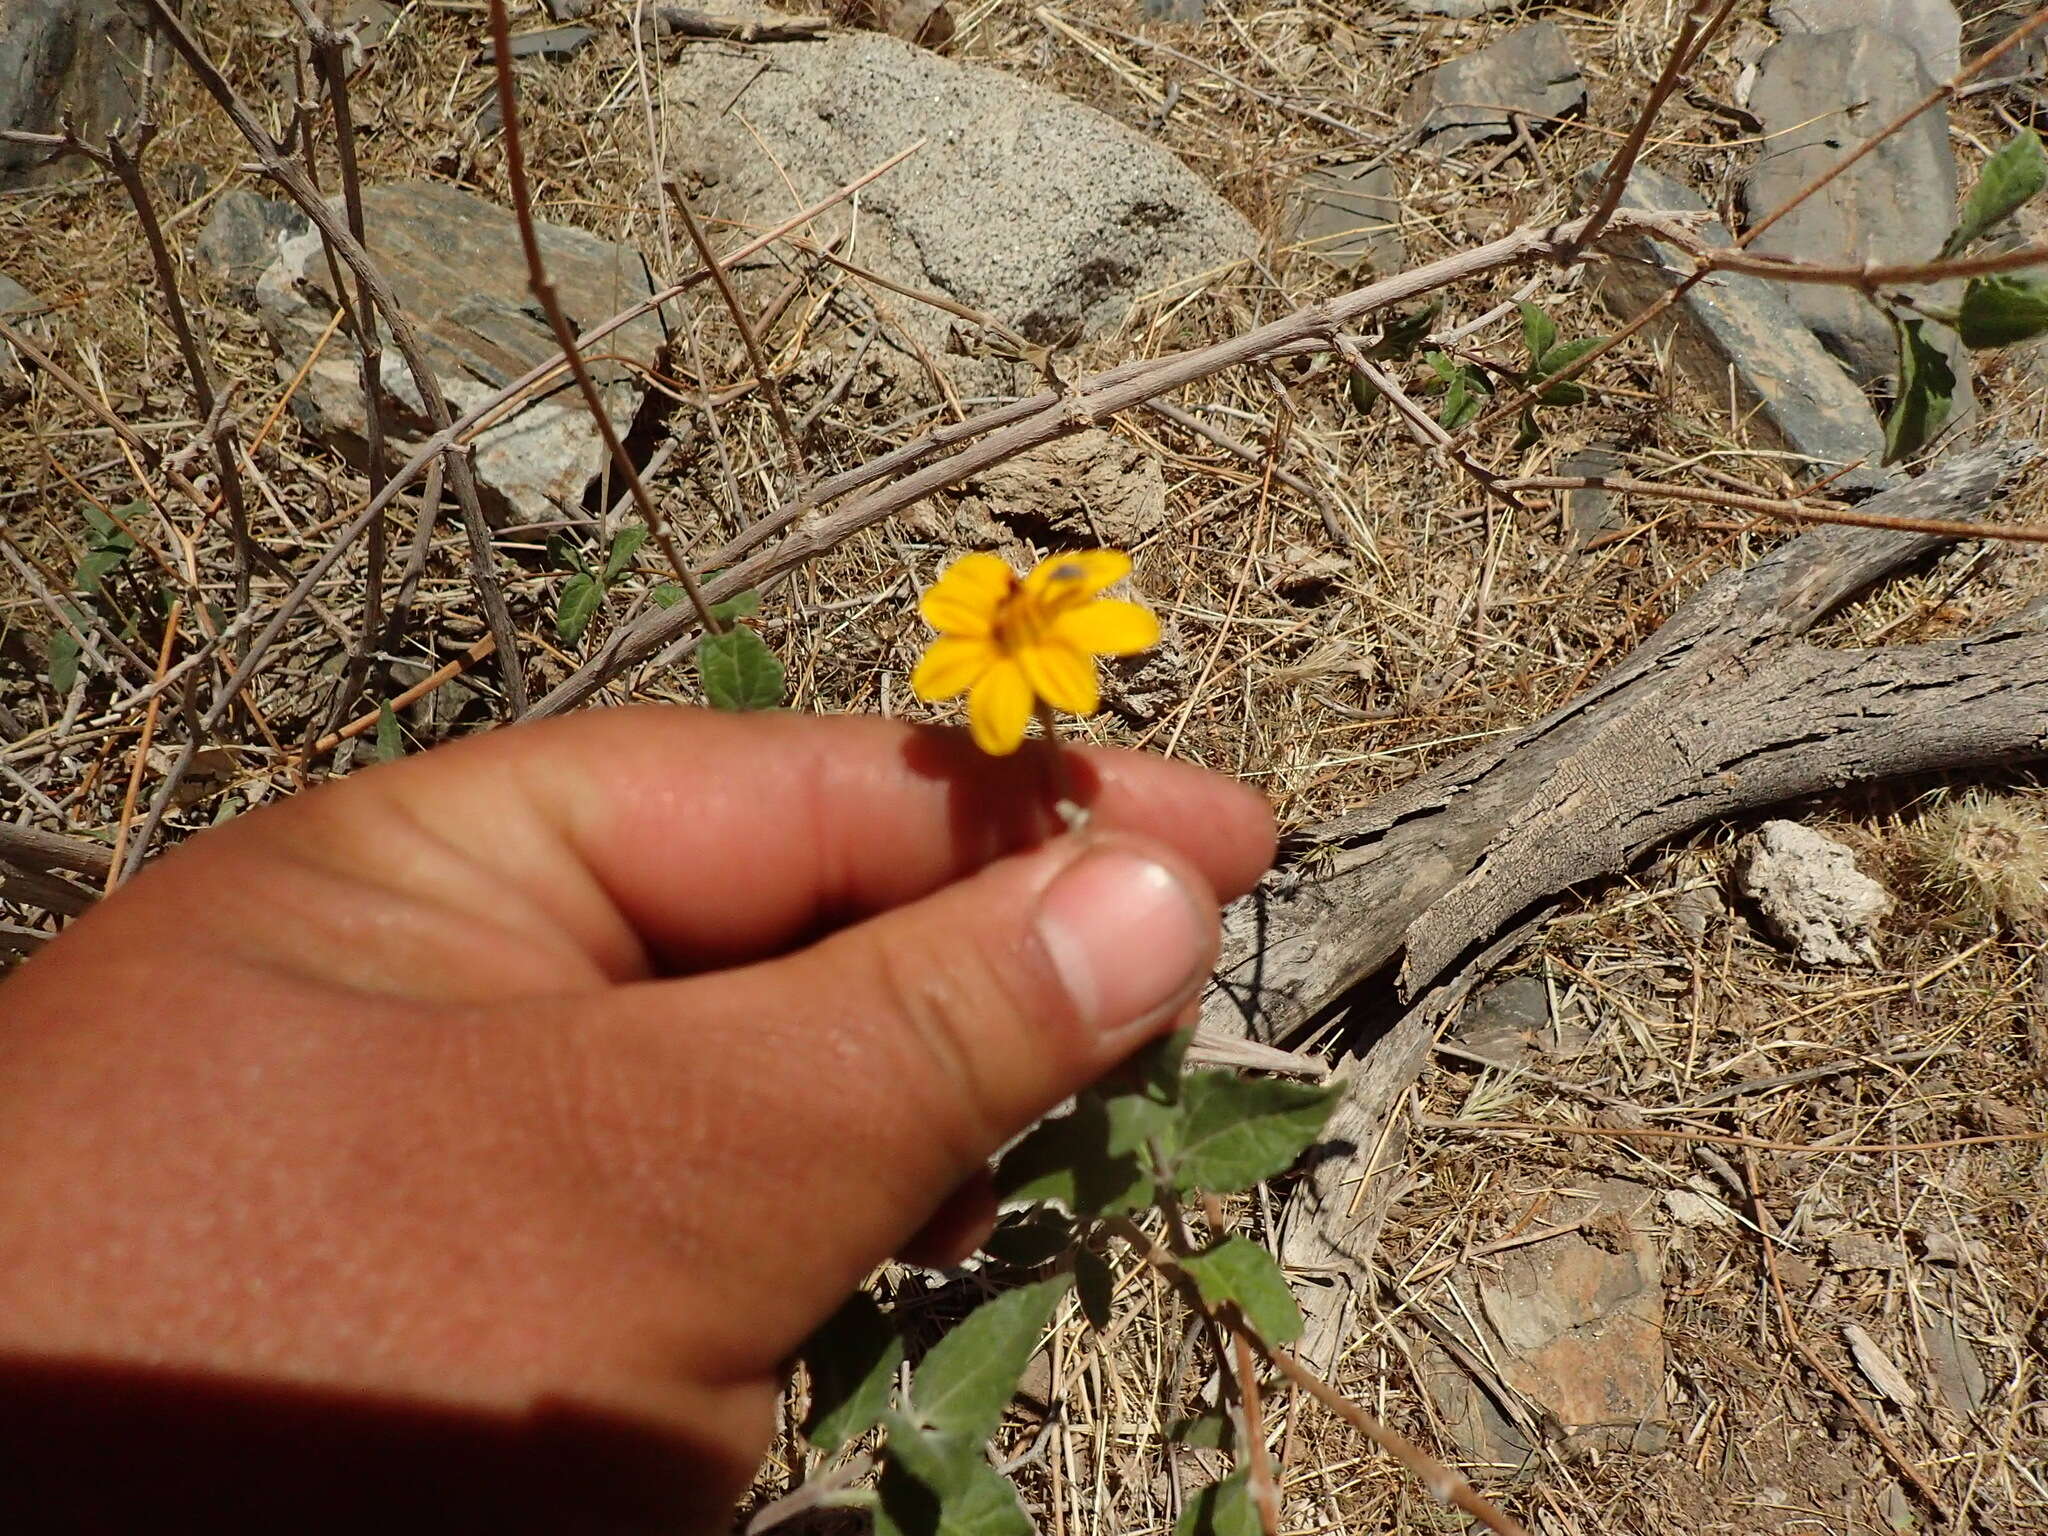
{"x":1442,"y":622}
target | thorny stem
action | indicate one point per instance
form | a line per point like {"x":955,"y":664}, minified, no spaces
{"x":565,"y":334}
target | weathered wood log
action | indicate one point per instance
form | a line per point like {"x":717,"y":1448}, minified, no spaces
{"x":1726,"y":709}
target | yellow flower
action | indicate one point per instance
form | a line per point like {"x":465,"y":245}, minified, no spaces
{"x":1007,"y":641}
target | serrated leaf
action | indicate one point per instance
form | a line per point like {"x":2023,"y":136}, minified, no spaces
{"x":1094,"y":1160}
{"x":1236,"y":1131}
{"x":667,"y":595}
{"x":741,"y":605}
{"x":1221,"y":1509}
{"x":1539,"y":332}
{"x":1998,"y":311}
{"x":969,"y":1376}
{"x":2009,"y":178}
{"x":1028,"y":1239}
{"x":1095,"y":1286}
{"x":1211,"y":1431}
{"x":739,"y":671}
{"x":63,"y":659}
{"x":390,"y":745}
{"x":852,"y":1359}
{"x":577,"y":606}
{"x":1240,"y":1271}
{"x":625,"y":545}
{"x":1927,"y":387}
{"x":942,"y":1485}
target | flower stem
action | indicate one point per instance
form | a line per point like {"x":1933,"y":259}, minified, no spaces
{"x":1065,"y":805}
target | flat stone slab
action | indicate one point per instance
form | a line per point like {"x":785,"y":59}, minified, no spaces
{"x":1349,"y":214}
{"x":455,"y":263}
{"x":1045,"y":214}
{"x":1528,"y":73}
{"x":1792,"y":393}
{"x":1819,"y":96}
{"x":1931,"y":28}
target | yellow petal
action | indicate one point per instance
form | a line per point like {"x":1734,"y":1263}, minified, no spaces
{"x":1108,"y":627}
{"x":950,"y":666}
{"x":964,"y":600}
{"x":1061,"y":579}
{"x":1062,"y":676}
{"x":999,"y":708}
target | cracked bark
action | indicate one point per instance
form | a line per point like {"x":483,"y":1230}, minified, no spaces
{"x":1726,"y":709}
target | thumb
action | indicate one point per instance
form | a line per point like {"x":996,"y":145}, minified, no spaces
{"x":882,"y":1066}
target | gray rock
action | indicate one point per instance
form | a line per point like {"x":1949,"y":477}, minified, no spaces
{"x":554,"y":43}
{"x":1043,"y":213}
{"x":1820,"y":95}
{"x":1528,"y":73}
{"x":1786,"y":384}
{"x":1810,"y":894}
{"x":1572,"y":1325}
{"x":1987,"y":23}
{"x":243,"y":236}
{"x":1591,"y":512}
{"x":1349,"y":214}
{"x":1457,"y":10}
{"x":454,"y":261}
{"x":1175,"y":10}
{"x":59,"y":56}
{"x":25,"y":312}
{"x":1930,"y":28}
{"x":568,"y":10}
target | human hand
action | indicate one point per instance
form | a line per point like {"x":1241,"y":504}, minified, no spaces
{"x":483,"y":1133}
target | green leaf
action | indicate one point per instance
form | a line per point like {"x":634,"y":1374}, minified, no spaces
{"x":739,"y":671}
{"x":2008,"y":179}
{"x":1559,"y":358}
{"x":109,"y":547}
{"x":1539,"y":332}
{"x":852,"y":1360}
{"x":1095,"y":1286}
{"x":1211,"y":1431}
{"x":1094,"y":1160}
{"x":967,"y":1379}
{"x":625,"y":545}
{"x":1365,"y":395}
{"x":942,"y":1485}
{"x":581,"y":597}
{"x":1236,"y":1131}
{"x":1238,"y":1269}
{"x":1401,"y":335}
{"x":63,"y":657}
{"x":667,"y":595}
{"x":1464,"y":386}
{"x":1998,"y":311}
{"x":390,"y":744}
{"x":563,"y":555}
{"x":1027,"y":1239}
{"x":1221,"y":1509}
{"x":1927,"y":387}
{"x":1528,"y":431}
{"x":741,"y":605}
{"x":1154,"y":1070}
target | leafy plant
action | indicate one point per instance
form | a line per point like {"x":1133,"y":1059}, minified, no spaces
{"x":583,"y":594}
{"x":1466,"y":385}
{"x":1997,"y":310}
{"x":1148,"y":1135}
{"x":108,"y":546}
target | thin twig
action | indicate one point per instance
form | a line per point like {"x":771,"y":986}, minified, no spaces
{"x":1727,"y":1139}
{"x":565,"y":334}
{"x":1779,"y":509}
{"x":1439,"y":1479}
{"x":771,"y":391}
{"x":461,"y":478}
{"x":135,"y":772}
{"x":1262,"y":1480}
{"x":1766,"y":1228}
